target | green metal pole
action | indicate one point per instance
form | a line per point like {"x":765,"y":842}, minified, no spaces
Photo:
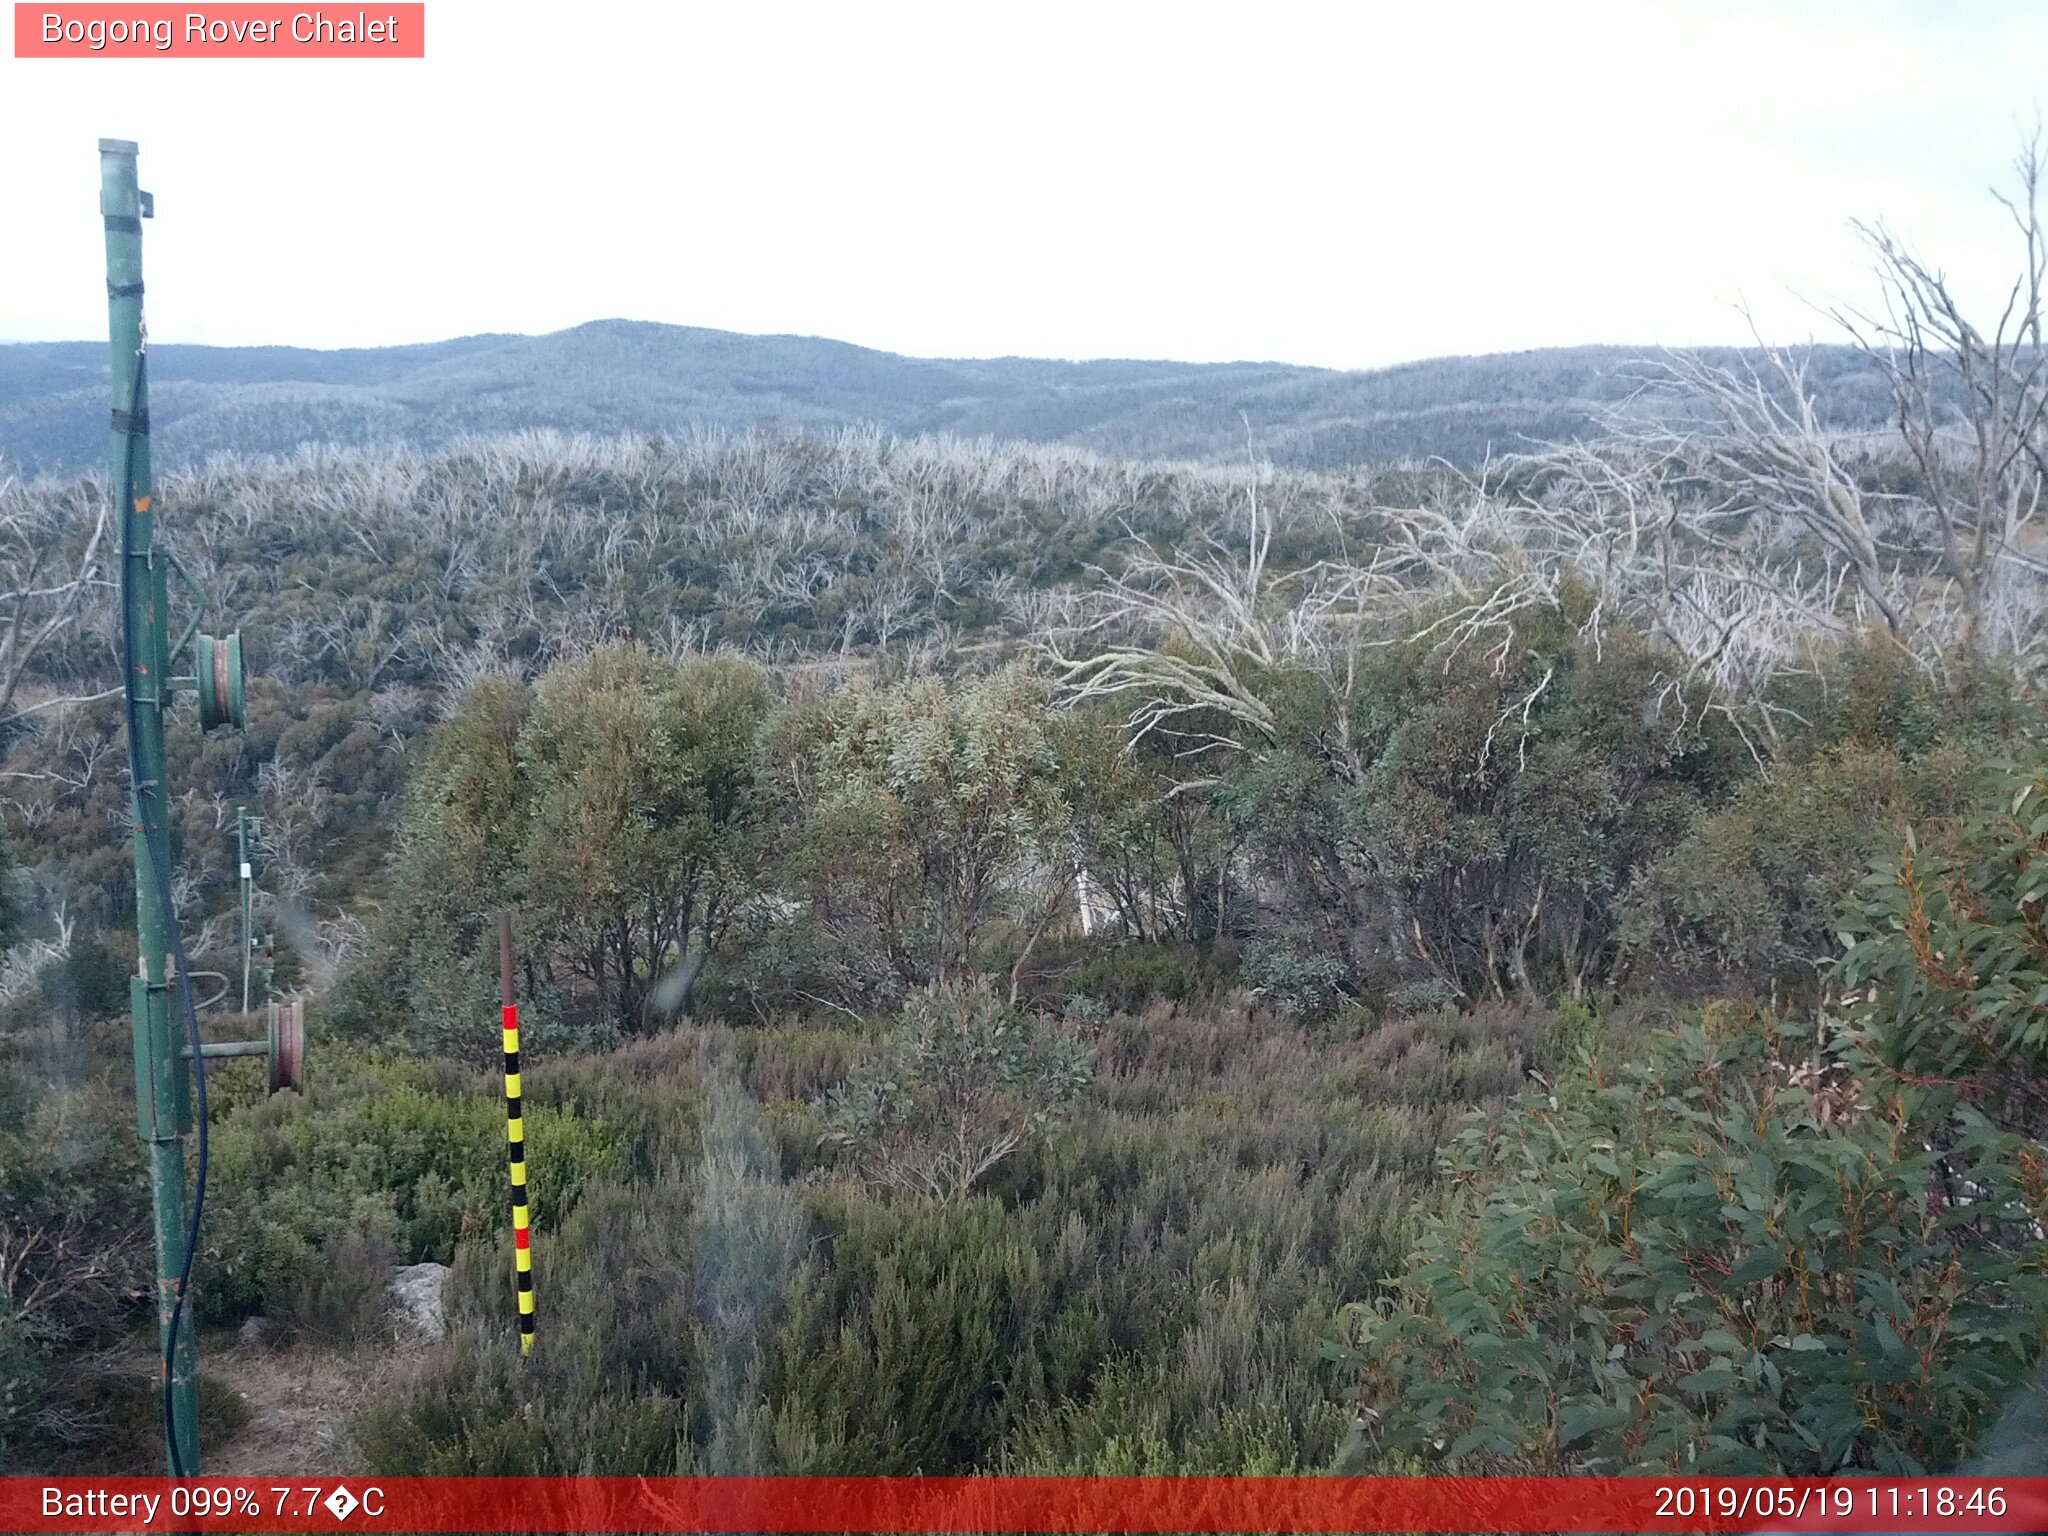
{"x":162,"y":1092}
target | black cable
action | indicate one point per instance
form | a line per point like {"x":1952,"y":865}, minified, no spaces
{"x":158,"y":844}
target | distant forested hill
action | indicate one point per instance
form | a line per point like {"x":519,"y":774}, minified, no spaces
{"x":612,"y":376}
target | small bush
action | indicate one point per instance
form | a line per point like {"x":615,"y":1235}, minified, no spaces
{"x":223,"y":1411}
{"x":1748,"y":898}
{"x":1091,"y":1012}
{"x":961,"y":1084}
{"x":340,"y":1298}
{"x":913,"y":1352}
{"x":88,"y":982}
{"x":1127,"y":977}
{"x":381,"y":1162}
{"x":1427,"y":996}
{"x":74,"y":1235}
{"x":1299,"y":983}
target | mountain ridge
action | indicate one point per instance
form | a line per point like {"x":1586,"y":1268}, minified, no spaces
{"x":618,"y":375}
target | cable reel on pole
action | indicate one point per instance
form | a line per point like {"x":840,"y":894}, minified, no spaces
{"x":217,"y":674}
{"x":286,"y":1039}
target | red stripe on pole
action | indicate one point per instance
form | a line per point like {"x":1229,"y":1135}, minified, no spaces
{"x":521,"y":1238}
{"x":510,"y":1015}
{"x":1032,"y":1504}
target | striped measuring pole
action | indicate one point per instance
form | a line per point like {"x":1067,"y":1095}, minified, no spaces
{"x":515,"y":1138}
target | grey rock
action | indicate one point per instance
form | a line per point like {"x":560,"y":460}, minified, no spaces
{"x":419,"y":1295}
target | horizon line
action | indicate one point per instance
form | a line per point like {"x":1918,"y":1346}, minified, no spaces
{"x":1639,"y":348}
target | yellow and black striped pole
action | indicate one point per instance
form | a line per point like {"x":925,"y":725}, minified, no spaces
{"x":515,"y":1138}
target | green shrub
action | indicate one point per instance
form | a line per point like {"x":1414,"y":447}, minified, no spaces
{"x":653,"y":1298}
{"x":1749,"y":897}
{"x":1088,"y":1012}
{"x":1299,"y":983}
{"x":90,"y":981}
{"x":1477,"y":815}
{"x":1575,"y":1032}
{"x":913,"y":1351}
{"x":1168,"y":1419}
{"x":1426,"y":996}
{"x":1871,"y":693}
{"x":1738,"y":1255}
{"x":1126,"y":977}
{"x":914,"y":815}
{"x":612,"y":806}
{"x":314,"y":1196}
{"x":1950,"y":940}
{"x":223,"y":1411}
{"x":962,"y":1082}
{"x":74,"y":1232}
{"x":483,"y":1411}
{"x":340,"y":1297}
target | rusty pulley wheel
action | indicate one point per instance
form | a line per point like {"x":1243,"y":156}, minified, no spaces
{"x":223,"y":689}
{"x":288,"y":1045}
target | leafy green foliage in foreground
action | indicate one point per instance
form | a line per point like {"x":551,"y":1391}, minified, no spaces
{"x":1714,"y":1260}
{"x":1952,"y":941}
{"x":1763,"y":1247}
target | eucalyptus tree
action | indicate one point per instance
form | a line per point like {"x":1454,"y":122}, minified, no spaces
{"x":915,"y":816}
{"x":640,"y":833}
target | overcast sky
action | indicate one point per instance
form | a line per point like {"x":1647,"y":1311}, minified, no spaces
{"x":1339,"y":184}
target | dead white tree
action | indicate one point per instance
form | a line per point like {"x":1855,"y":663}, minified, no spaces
{"x":1660,"y":545}
{"x":1192,"y":636}
{"x":52,"y":550}
{"x":1764,"y":470}
{"x":1971,"y":407}
{"x":1189,"y":635}
{"x":1756,"y":524}
{"x":22,"y":966}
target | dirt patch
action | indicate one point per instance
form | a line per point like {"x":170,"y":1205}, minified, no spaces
{"x":299,"y":1398}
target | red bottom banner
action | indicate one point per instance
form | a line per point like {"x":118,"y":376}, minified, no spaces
{"x":837,"y":1505}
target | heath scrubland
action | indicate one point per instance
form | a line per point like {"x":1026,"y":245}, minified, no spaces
{"x":1045,"y":963}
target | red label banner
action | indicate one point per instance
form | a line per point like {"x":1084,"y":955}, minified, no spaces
{"x":225,"y":31}
{"x":1024,"y":1504}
